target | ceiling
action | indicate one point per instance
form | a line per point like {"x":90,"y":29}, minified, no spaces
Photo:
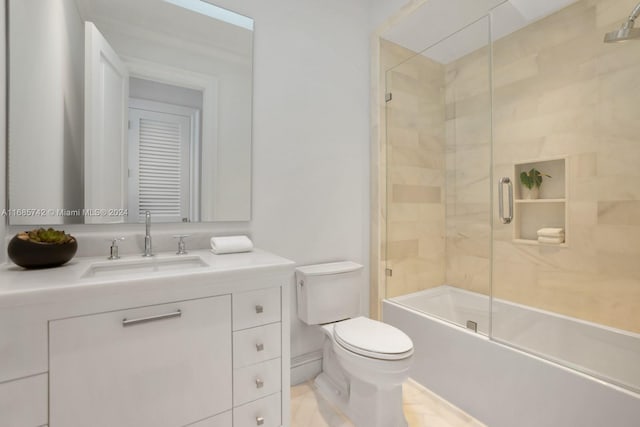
{"x":166,"y":19}
{"x":446,"y":30}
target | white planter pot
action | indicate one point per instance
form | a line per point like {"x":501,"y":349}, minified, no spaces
{"x":532,"y":194}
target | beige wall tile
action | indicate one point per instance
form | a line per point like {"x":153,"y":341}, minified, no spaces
{"x":402,"y":249}
{"x":583,"y":213}
{"x":415,"y":194}
{"x":619,"y":213}
{"x":415,"y":175}
{"x":611,"y":13}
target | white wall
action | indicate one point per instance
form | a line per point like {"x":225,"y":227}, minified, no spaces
{"x":382,"y":10}
{"x":47,"y":46}
{"x":160,"y":92}
{"x":3,"y":123}
{"x":310,"y":138}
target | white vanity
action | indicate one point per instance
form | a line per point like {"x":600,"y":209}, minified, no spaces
{"x":198,"y":341}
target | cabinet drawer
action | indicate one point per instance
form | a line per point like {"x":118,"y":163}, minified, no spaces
{"x":222,"y":420}
{"x":256,"y":345}
{"x":265,"y":412}
{"x":24,"y":402}
{"x":256,"y":308}
{"x":23,"y":341}
{"x":256,"y":381}
{"x":164,"y":365}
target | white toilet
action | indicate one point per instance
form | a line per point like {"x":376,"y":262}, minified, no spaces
{"x":364,"y":361}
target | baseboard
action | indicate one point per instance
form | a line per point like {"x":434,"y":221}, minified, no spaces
{"x":305,"y":367}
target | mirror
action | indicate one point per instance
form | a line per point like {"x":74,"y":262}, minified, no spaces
{"x":117,"y":107}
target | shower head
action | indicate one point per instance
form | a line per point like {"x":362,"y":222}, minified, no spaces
{"x":627,"y":31}
{"x":622,"y":35}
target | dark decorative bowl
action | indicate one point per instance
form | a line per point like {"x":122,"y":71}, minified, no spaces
{"x":32,"y":255}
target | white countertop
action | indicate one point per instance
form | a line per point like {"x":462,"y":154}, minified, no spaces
{"x":20,"y":287}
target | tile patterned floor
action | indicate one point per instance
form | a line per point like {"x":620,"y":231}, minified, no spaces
{"x":421,"y":407}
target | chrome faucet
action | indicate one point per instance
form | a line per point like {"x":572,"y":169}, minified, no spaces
{"x":147,"y":235}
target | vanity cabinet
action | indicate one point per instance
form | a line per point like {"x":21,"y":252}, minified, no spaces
{"x":257,"y":358}
{"x":222,"y":420}
{"x":261,"y":413}
{"x":165,"y":365}
{"x":256,"y":345}
{"x":207,"y":349}
{"x":23,"y":402}
{"x":256,"y":308}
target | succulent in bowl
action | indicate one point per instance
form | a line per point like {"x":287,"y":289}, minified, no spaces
{"x":42,"y":248}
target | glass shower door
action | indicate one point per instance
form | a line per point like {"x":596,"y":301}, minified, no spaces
{"x":416,"y":168}
{"x":438,"y":127}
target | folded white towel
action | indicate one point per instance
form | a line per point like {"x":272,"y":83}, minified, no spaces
{"x":551,"y":232}
{"x":551,"y":240}
{"x":231,"y":244}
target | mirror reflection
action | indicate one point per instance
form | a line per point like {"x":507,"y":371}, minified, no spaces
{"x":118,"y":107}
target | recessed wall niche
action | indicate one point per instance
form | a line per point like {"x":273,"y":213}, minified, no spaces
{"x":546,"y":209}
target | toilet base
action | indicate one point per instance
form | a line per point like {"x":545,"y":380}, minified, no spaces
{"x":332,"y":393}
{"x":363,"y":404}
{"x":371,"y":406}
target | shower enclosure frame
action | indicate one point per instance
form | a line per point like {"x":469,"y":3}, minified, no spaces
{"x":379,"y":169}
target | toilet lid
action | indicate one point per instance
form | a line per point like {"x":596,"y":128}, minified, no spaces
{"x":374,"y":339}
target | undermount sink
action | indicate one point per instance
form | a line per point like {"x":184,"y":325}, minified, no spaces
{"x":144,"y":265}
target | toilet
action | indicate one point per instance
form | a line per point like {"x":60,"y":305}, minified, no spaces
{"x":364,"y":361}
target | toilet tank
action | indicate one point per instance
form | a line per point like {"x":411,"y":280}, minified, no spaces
{"x":328,"y":292}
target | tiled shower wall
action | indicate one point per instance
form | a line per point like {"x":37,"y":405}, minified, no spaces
{"x":558,"y":92}
{"x":468,"y":143}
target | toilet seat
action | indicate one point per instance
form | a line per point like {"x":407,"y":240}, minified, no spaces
{"x":373,"y":339}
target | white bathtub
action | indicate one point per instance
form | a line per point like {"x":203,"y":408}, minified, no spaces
{"x":505,"y":387}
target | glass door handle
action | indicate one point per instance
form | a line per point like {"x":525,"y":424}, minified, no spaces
{"x":505,"y":180}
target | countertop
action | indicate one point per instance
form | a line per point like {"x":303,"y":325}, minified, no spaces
{"x":19,"y":286}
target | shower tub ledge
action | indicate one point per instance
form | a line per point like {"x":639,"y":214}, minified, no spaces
{"x":506,"y":387}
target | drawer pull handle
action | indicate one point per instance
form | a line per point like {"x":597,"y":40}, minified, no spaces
{"x":131,"y":322}
{"x":259,"y":309}
{"x":259,"y":421}
{"x":259,"y":383}
{"x":259,"y":347}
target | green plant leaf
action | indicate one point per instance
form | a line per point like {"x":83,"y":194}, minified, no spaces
{"x":537,"y":177}
{"x":526,"y":180}
{"x":48,"y":236}
{"x":533,"y":177}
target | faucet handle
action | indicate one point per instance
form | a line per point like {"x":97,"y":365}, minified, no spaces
{"x":114,"y":247}
{"x":182,"y":248}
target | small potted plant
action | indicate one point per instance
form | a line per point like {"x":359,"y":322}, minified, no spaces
{"x":531,"y":182}
{"x":42,"y":248}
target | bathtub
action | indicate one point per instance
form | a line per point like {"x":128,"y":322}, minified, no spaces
{"x":519,"y":385}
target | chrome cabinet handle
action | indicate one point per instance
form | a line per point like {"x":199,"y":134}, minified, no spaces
{"x":259,"y":309}
{"x":259,"y":421}
{"x":259,"y":347}
{"x":505,"y":219}
{"x":131,"y":322}
{"x":259,"y":383}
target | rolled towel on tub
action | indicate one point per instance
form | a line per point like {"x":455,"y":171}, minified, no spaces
{"x":231,"y":244}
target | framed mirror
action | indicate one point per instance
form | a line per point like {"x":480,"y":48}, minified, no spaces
{"x":118,"y":107}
